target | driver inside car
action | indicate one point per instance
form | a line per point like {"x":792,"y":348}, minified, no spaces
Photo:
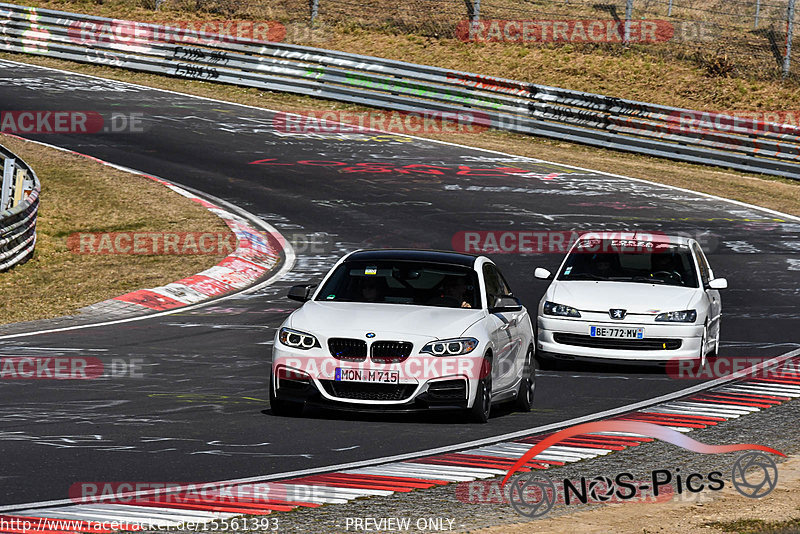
{"x":454,"y":293}
{"x":606,"y":266}
{"x":663,"y":267}
{"x":373,"y":289}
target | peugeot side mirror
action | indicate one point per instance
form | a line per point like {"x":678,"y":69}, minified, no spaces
{"x":718,"y":283}
{"x":542,"y":274}
{"x":302,"y":292}
{"x":506,"y":304}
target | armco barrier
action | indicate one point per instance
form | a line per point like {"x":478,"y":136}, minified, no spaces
{"x":18,"y":206}
{"x":597,"y":120}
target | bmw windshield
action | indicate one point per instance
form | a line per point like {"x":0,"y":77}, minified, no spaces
{"x":624,"y":261}
{"x":403,"y":282}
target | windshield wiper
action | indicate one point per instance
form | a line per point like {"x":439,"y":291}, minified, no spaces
{"x":639,"y":279}
{"x":589,"y":275}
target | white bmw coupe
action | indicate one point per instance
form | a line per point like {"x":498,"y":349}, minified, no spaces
{"x":405,"y":330}
{"x":630,"y":298}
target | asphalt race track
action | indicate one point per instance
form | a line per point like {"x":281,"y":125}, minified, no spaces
{"x":196,"y":408}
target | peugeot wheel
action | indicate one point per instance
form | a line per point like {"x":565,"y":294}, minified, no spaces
{"x":715,"y":351}
{"x":703,"y":343}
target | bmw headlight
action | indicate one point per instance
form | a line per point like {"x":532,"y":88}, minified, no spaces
{"x":297,"y":339}
{"x":451,"y":347}
{"x":685,"y":316}
{"x":551,"y":308}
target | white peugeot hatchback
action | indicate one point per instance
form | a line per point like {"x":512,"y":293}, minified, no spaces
{"x":402,"y":330}
{"x":634,"y":298}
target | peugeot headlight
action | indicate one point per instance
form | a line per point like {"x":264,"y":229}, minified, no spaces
{"x":685,"y":316}
{"x":297,"y":339}
{"x":451,"y":347}
{"x":551,"y":308}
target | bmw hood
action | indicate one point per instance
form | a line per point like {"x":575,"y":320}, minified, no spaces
{"x":334,"y":319}
{"x":631,"y":296}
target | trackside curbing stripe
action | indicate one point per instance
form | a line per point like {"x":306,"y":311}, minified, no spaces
{"x":388,"y":478}
{"x":759,"y":389}
{"x":386,"y":466}
{"x":235,"y":217}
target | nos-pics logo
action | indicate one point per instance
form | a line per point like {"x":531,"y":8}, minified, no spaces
{"x":754,"y":473}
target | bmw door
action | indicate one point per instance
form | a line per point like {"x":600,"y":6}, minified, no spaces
{"x":505,"y":332}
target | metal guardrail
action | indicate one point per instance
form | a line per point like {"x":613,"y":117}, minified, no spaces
{"x":591,"y":119}
{"x":19,"y":202}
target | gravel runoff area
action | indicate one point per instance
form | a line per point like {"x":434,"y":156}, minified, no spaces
{"x":440,"y":508}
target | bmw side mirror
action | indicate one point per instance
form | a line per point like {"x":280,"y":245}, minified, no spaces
{"x":542,"y":274}
{"x":506,"y":304}
{"x":718,"y":283}
{"x":301,"y":293}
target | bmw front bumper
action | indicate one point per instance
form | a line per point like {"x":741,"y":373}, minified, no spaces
{"x":425,"y":382}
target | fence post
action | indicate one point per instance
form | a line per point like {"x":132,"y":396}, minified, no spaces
{"x":789,"y":32}
{"x":8,"y":182}
{"x":628,"y":15}
{"x":758,"y":12}
{"x":314,"y":10}
{"x":669,"y":9}
{"x":19,"y":184}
